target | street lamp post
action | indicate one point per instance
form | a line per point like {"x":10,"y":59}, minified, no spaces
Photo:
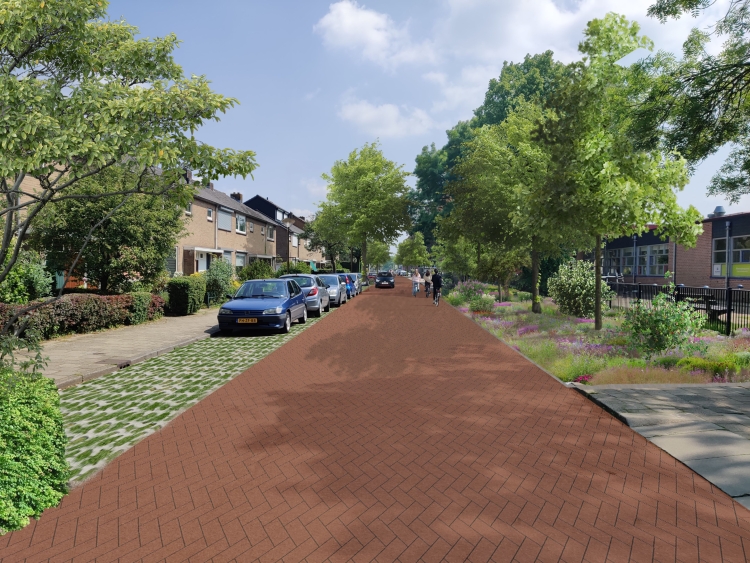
{"x":288,"y":222}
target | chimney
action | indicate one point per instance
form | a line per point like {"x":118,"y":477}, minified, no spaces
{"x":719,"y":211}
{"x":210,"y":185}
{"x":236,"y":196}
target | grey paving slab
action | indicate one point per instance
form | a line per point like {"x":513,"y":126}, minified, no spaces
{"x":731,"y":474}
{"x":704,"y":445}
{"x":677,"y":428}
{"x":653,"y":418}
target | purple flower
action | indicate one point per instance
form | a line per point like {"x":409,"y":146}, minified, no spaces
{"x":580,"y":321}
{"x":463,"y":309}
{"x":526,"y":329}
{"x":583,"y":379}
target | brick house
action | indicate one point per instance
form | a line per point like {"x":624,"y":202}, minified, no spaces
{"x":703,"y":265}
{"x":220,"y":226}
{"x":291,"y":247}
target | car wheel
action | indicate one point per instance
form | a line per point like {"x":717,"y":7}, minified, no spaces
{"x":287,"y":324}
{"x":328,"y":306}
{"x":303,"y":319}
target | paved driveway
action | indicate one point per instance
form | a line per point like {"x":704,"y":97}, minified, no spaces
{"x":392,"y":431}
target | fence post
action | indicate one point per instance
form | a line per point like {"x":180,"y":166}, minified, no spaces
{"x":729,"y":311}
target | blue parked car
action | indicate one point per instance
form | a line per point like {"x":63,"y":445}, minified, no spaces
{"x":264,"y":304}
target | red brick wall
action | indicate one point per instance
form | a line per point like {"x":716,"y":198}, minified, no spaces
{"x":694,"y":264}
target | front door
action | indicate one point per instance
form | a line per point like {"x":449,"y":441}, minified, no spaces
{"x":202,"y":262}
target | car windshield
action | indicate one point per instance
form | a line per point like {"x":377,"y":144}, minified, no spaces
{"x":384,"y":275}
{"x":261,"y":288}
{"x":330,"y":280}
{"x":303,"y":281}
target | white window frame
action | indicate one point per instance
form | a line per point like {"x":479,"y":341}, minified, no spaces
{"x":262,"y":231}
{"x":209,"y":214}
{"x":279,"y":215}
{"x":271,"y":233}
{"x":648,"y":257}
{"x":243,"y":230}
{"x":250,"y":226}
{"x":237,"y":256}
{"x":295,"y":241}
{"x":225,"y":218}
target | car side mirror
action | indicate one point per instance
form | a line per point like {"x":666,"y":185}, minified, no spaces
{"x":328,"y":286}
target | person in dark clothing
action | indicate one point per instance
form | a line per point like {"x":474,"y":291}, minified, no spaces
{"x":437,"y":284}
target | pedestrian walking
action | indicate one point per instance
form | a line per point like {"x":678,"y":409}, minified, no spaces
{"x":427,"y":282}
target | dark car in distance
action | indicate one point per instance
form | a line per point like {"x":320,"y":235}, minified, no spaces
{"x":385,"y":279}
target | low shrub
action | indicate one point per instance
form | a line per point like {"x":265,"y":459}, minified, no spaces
{"x":33,"y":470}
{"x":666,"y":361}
{"x":139,"y":307}
{"x":482,"y":304}
{"x":186,"y":294}
{"x":27,"y":280}
{"x":256,"y":270}
{"x":454,"y":298}
{"x":219,"y":279}
{"x":523,"y":296}
{"x":573,"y":288}
{"x":298,"y":268}
{"x":742,"y":359}
{"x":468,"y":290}
{"x":665,"y":325}
{"x":723,"y":367}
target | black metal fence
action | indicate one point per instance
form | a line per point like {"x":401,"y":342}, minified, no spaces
{"x":725,"y":310}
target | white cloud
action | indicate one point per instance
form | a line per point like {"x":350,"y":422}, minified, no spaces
{"x":306,"y":213}
{"x":310,"y":95}
{"x":374,"y":35}
{"x":315,"y":186}
{"x":386,"y":120}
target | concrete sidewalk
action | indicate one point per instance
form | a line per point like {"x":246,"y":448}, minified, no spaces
{"x":80,"y":357}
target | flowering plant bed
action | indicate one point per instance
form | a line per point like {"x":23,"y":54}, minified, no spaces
{"x":572,"y":350}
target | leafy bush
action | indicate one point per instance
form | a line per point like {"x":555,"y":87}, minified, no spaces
{"x":573,"y":288}
{"x":468,"y":290}
{"x":482,"y":304}
{"x":665,"y":325}
{"x":139,"y":307}
{"x":33,"y":470}
{"x":186,"y":294}
{"x":714,"y":367}
{"x":298,"y":268}
{"x":219,"y":279}
{"x":742,"y":359}
{"x":256,"y":270}
{"x":523,"y":296}
{"x":454,"y":298}
{"x":666,"y":361}
{"x":27,"y":280}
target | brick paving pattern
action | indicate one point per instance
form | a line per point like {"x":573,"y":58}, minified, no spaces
{"x":391,"y":431}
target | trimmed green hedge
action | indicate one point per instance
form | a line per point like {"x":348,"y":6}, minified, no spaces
{"x":186,"y":294}
{"x":33,"y":470}
{"x":298,"y":268}
{"x":256,"y":270}
{"x":139,"y":308}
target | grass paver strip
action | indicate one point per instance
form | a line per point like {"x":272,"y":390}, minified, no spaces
{"x":107,"y":416}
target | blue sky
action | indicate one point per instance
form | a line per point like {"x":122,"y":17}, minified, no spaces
{"x":317,"y":79}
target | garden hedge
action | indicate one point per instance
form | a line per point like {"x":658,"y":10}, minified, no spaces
{"x":81,"y":313}
{"x":186,"y":294}
{"x":33,"y":470}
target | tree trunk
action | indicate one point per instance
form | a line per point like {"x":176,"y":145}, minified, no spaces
{"x":363,"y":259}
{"x":536,"y":303}
{"x":351,"y":259}
{"x":104,"y":284}
{"x":598,"y":291}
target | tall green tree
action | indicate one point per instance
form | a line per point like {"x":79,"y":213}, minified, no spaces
{"x":500,"y":265}
{"x":455,"y":255}
{"x":379,"y":253}
{"x":79,"y":94}
{"x":327,"y":233}
{"x":412,"y":251}
{"x":603,"y":186}
{"x":698,"y":103}
{"x":132,"y":244}
{"x":368,"y":193}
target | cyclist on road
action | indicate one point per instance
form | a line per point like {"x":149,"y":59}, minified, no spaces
{"x":416,"y":279}
{"x":437,"y":284}
{"x":427,"y":282}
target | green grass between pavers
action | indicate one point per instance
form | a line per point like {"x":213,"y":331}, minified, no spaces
{"x":571,"y":350}
{"x":107,"y":416}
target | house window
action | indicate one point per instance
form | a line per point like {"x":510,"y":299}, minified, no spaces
{"x":719,"y":257}
{"x":210,"y":214}
{"x":228,"y":256}
{"x":189,"y":209}
{"x":628,"y":262}
{"x":225,"y":220}
{"x":653,"y":260}
{"x":241,"y":224}
{"x":279,"y":215}
{"x":262,"y":231}
{"x":295,"y":241}
{"x":740,"y":266}
{"x":239,"y":259}
{"x":271,"y":231}
{"x":250,"y":226}
{"x":612,"y":262}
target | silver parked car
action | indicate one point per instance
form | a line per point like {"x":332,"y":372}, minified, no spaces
{"x":336,"y":289}
{"x":357,"y":282}
{"x":317,"y":297}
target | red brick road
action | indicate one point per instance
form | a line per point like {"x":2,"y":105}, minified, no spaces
{"x":391,"y":431}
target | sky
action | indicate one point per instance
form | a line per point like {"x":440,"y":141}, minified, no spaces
{"x":317,"y":79}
